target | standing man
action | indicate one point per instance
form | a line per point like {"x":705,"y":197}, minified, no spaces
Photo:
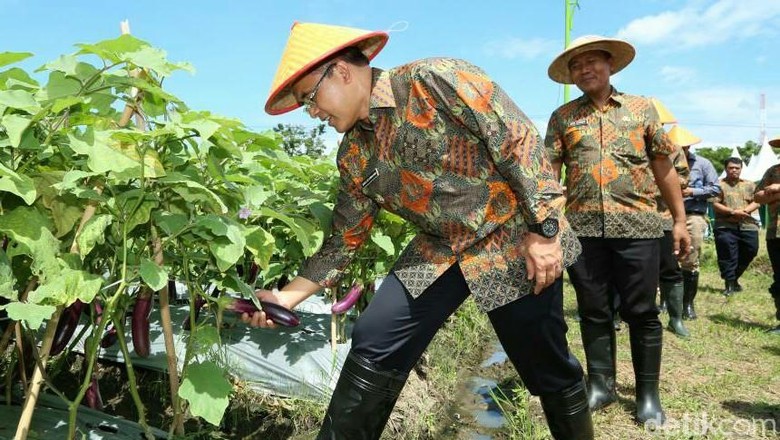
{"x":768,"y":192}
{"x":437,"y":142}
{"x":736,"y":231}
{"x":616,"y":157}
{"x":702,"y":186}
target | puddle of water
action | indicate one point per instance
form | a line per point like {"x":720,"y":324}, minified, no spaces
{"x":486,"y":413}
{"x":497,"y":358}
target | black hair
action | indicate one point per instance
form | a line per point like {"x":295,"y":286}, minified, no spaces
{"x":735,"y":160}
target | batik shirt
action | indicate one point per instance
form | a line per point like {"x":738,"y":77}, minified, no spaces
{"x":681,"y":166}
{"x":771,"y":176}
{"x":607,"y":153}
{"x":449,"y":151}
{"x":736,"y":195}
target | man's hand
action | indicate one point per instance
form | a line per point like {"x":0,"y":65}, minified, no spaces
{"x":740,"y":215}
{"x":687,"y":192}
{"x":682,"y":240}
{"x":543,"y":259}
{"x":259,"y":318}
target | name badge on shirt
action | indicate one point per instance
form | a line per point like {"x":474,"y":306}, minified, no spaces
{"x":578,"y":123}
{"x":373,"y":176}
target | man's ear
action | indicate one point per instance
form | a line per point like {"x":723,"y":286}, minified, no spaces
{"x":344,"y":71}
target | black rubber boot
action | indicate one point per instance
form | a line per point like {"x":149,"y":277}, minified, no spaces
{"x":662,"y":301}
{"x":646,"y":344}
{"x":362,"y":401}
{"x":776,"y":330}
{"x":690,"y":287}
{"x":674,"y":300}
{"x":730,"y":288}
{"x":600,"y":350}
{"x":567,"y":413}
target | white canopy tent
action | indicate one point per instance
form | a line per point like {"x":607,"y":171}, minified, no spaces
{"x":760,"y":162}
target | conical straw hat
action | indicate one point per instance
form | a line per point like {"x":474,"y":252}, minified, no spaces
{"x":663,"y":113}
{"x":775,"y":142}
{"x":683,"y":137}
{"x":622,"y":54}
{"x":309,"y":45}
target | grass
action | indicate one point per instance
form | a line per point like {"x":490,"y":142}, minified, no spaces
{"x":721,"y":383}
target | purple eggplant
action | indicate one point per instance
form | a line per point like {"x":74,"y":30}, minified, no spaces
{"x":349,"y":300}
{"x":199,"y":303}
{"x":109,"y":338}
{"x":140,"y":322}
{"x":94,"y":400}
{"x":276,"y":313}
{"x":69,"y":320}
{"x":251,"y":277}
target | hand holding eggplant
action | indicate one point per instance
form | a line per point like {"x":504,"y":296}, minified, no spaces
{"x":273,"y":312}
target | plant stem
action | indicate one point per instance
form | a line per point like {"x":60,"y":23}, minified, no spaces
{"x":23,"y":427}
{"x":170,"y":348}
{"x":133,"y":383}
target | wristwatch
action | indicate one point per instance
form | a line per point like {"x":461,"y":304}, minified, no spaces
{"x":547,"y":228}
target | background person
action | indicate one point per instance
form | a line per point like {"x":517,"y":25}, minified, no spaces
{"x":702,"y":186}
{"x":616,"y":157}
{"x":736,"y":231}
{"x":768,"y":192}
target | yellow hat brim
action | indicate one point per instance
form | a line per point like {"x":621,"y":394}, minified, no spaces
{"x":682,"y":137}
{"x":622,"y":54}
{"x":664,"y":114}
{"x":308,"y":46}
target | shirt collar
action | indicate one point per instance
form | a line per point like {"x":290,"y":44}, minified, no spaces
{"x":381,"y":90}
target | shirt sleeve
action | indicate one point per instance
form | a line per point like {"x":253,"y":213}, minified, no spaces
{"x":353,"y":217}
{"x":710,"y":182}
{"x":770,"y":177}
{"x":471,"y":98}
{"x":681,"y":166}
{"x":553,"y":140}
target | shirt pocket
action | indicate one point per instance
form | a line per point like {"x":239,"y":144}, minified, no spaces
{"x":380,"y":183}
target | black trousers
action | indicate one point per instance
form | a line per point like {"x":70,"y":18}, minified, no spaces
{"x":395,"y":329}
{"x":670,"y":271}
{"x":630,"y":267}
{"x":773,"y":249}
{"x":736,"y":249}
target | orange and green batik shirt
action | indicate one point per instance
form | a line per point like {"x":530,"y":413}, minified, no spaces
{"x":771,"y":176}
{"x":610,"y":186}
{"x":736,"y":195}
{"x":446,"y":149}
{"x":680,"y":164}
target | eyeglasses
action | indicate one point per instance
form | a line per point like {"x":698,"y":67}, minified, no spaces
{"x":308,"y":102}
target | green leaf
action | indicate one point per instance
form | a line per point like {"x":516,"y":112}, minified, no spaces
{"x":7,"y":58}
{"x":108,"y":155}
{"x":19,"y":99}
{"x":153,"y":275}
{"x":68,"y":101}
{"x":302,"y":230}
{"x":154,"y":59}
{"x":15,"y":126}
{"x":7,"y":279}
{"x":112,"y":50}
{"x":16,"y":78}
{"x":32,"y":314}
{"x":256,"y":195}
{"x":205,"y":193}
{"x":384,"y":242}
{"x":67,"y":287}
{"x":61,"y":86}
{"x":227,"y":250}
{"x":31,"y":231}
{"x":261,"y":244}
{"x":18,"y":184}
{"x":93,"y":233}
{"x":206,"y":337}
{"x":65,"y":64}
{"x":171,"y":224}
{"x":207,"y":391}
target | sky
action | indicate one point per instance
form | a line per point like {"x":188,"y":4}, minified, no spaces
{"x":707,"y":61}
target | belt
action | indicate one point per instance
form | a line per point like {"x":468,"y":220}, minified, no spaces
{"x":694,"y":213}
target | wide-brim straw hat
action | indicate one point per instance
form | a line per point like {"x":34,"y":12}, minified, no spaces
{"x":775,"y":142}
{"x":664,"y":114}
{"x":683,"y":137}
{"x":309,"y":45}
{"x":622,"y":54}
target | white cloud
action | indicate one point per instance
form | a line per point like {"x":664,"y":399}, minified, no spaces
{"x":699,"y":25}
{"x":678,"y":75}
{"x":513,"y":47}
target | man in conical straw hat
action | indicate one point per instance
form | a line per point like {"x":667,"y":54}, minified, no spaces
{"x":437,"y":142}
{"x":768,"y":192}
{"x":670,"y":276}
{"x":616,"y":154}
{"x":702,"y":186}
